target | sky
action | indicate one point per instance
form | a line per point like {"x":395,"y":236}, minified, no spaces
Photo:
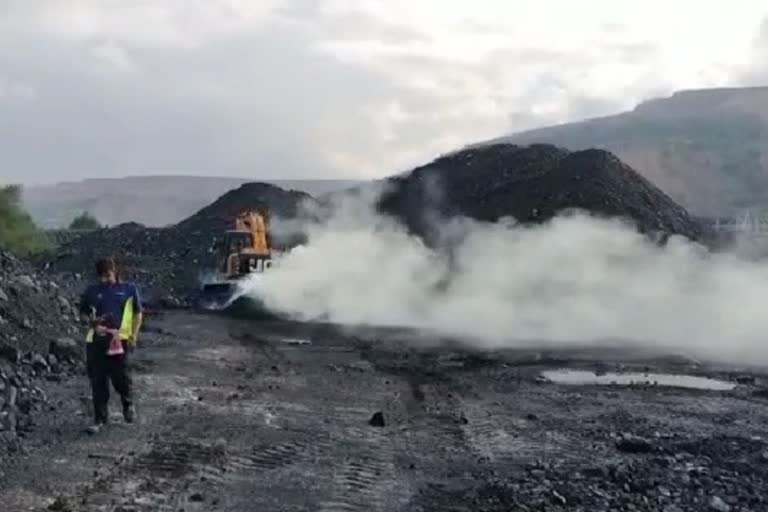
{"x":339,"y":88}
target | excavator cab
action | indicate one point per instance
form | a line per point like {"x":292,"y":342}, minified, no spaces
{"x":245,"y":249}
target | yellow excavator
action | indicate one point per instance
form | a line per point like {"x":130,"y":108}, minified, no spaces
{"x":245,"y":249}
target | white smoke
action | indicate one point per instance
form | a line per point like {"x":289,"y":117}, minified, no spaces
{"x":574,"y":280}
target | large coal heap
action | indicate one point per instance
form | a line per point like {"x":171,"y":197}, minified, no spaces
{"x":168,"y":262}
{"x":219,"y":214}
{"x":532,"y":184}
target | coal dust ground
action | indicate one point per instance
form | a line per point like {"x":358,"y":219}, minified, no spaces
{"x":245,"y":416}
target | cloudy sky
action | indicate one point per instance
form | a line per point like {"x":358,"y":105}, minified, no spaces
{"x":336,"y":88}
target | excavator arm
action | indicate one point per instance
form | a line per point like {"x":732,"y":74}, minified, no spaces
{"x":255,"y":223}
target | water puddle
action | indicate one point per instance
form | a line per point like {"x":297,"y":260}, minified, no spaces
{"x":296,"y":341}
{"x":581,"y":377}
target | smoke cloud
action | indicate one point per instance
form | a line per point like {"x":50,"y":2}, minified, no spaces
{"x":575,"y":280}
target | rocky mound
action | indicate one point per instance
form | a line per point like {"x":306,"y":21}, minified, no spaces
{"x":168,"y":263}
{"x":37,"y":341}
{"x":532,"y":184}
{"x":33,"y":309}
{"x":217,"y":217}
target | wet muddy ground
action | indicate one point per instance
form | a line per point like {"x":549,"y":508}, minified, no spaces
{"x":237,"y":416}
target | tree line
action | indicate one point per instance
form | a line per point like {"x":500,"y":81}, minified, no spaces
{"x":18,"y":231}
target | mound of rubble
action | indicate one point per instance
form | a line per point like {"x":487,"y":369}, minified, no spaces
{"x":533,"y":184}
{"x":170,"y":262}
{"x":218,"y":216}
{"x":38,"y":330}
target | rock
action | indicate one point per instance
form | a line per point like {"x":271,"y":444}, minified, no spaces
{"x":60,"y":505}
{"x":10,"y":438}
{"x":634,"y":444}
{"x":11,"y":395}
{"x":26,"y":323}
{"x":3,"y":295}
{"x":39,"y":363}
{"x":717,"y":504}
{"x":559,"y":499}
{"x":8,"y":420}
{"x":26,"y":281}
{"x":197,"y":497}
{"x":64,"y":303}
{"x":9,"y":353}
{"x":65,"y":348}
{"x":377,"y":420}
{"x":170,"y":302}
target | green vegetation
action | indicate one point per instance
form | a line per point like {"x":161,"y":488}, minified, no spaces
{"x":18,"y":232}
{"x":85,"y":221}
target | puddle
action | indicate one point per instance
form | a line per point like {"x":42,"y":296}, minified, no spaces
{"x":580,"y":377}
{"x":296,"y":341}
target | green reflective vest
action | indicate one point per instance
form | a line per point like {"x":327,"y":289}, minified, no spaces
{"x":126,"y":325}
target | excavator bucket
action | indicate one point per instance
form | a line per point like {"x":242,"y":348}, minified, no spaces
{"x":217,"y":295}
{"x":223,"y":297}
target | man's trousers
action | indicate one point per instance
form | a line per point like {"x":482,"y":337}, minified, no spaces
{"x":102,"y":369}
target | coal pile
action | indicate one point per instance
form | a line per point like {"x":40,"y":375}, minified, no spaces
{"x":533,"y":184}
{"x":148,"y":256}
{"x":38,"y":330}
{"x":169,"y":263}
{"x":33,"y":309}
{"x":218,"y":216}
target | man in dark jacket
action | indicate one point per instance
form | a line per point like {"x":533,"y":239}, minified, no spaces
{"x":112,"y":309}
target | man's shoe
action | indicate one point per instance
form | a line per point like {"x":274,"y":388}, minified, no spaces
{"x":128,"y":414}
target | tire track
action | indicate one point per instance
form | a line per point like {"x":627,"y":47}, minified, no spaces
{"x":363,"y":483}
{"x":261,"y":459}
{"x":154,"y":480}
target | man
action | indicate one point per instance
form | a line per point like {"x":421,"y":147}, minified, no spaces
{"x":113,"y":312}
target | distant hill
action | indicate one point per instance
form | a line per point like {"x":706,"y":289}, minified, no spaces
{"x":707,"y":149}
{"x":149,"y":200}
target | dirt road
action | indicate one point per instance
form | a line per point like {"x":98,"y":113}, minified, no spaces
{"x":237,"y":416}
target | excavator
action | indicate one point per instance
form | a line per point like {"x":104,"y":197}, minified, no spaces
{"x":245,"y":249}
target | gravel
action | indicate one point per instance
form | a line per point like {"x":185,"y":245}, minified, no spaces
{"x":35,"y":314}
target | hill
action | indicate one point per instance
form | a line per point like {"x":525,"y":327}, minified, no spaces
{"x":533,"y":184}
{"x":169,"y":261}
{"x":707,"y":149}
{"x":153,"y":201}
